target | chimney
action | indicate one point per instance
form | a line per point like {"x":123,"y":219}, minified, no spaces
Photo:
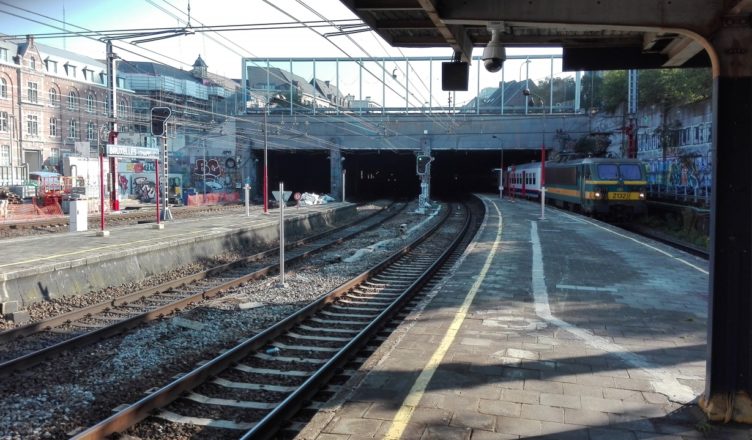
{"x":327,"y":83}
{"x":30,"y":39}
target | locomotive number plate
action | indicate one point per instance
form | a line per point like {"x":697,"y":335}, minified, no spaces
{"x":618,"y":196}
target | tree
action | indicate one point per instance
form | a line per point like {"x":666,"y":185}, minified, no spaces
{"x":591,"y":92}
{"x":666,"y":88}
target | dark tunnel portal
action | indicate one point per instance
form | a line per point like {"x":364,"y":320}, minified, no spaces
{"x":301,"y":171}
{"x":455,"y":173}
{"x":380,"y":174}
{"x":389,"y":174}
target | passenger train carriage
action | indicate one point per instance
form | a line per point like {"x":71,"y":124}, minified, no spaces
{"x":601,"y":186}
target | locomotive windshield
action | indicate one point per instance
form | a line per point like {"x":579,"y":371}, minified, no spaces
{"x":621,"y":171}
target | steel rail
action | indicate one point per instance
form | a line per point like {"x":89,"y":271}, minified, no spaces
{"x":141,"y":409}
{"x":296,"y":400}
{"x":93,"y":336}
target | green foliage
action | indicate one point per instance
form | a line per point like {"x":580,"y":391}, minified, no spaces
{"x":592,"y":145}
{"x":666,"y":88}
{"x":614,"y":90}
{"x":591,"y":96}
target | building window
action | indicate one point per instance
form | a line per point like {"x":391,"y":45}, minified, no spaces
{"x":72,"y":101}
{"x":107,"y":106}
{"x":32,"y":125}
{"x":33,"y":93}
{"x":51,"y":66}
{"x":3,"y":121}
{"x":3,"y":54}
{"x":90,"y":103}
{"x":5,"y":155}
{"x":122,"y":109}
{"x":54,"y":156}
{"x":33,"y":63}
{"x":53,"y":127}
{"x":54,"y":98}
{"x":70,"y":70}
{"x":91,"y":131}
{"x":73,"y":129}
{"x":3,"y":88}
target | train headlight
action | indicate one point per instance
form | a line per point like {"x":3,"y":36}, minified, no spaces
{"x":642,"y":196}
{"x":597,"y":194}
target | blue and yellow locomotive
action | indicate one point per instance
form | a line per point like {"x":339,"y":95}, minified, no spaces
{"x":598,"y":186}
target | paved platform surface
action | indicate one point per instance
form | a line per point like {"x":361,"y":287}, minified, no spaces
{"x":565,"y":328}
{"x":55,"y":255}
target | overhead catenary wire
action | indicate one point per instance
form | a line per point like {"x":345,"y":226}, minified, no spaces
{"x":294,"y":132}
{"x":356,"y":125}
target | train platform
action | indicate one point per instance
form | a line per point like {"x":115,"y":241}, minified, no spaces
{"x":563,"y":328}
{"x":41,"y":267}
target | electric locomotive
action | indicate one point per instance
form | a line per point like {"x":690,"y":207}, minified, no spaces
{"x":595,"y":186}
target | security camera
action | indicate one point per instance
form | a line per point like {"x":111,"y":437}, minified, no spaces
{"x":494,"y":54}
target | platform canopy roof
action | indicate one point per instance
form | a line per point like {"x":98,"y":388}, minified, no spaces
{"x":594,"y":34}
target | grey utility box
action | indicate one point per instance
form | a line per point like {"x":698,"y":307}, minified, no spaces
{"x":79,"y":215}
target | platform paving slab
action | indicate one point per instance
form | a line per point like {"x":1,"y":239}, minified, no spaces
{"x":577,"y":331}
{"x":43,"y":267}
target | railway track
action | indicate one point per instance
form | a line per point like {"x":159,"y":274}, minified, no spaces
{"x":42,"y":340}
{"x":250,"y":390}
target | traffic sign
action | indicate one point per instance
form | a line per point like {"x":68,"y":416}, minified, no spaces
{"x":285,"y":196}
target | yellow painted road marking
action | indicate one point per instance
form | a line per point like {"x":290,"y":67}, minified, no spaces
{"x":401,"y":419}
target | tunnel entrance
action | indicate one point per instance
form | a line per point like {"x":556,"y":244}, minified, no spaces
{"x":300,"y":170}
{"x":389,"y":174}
{"x":454,"y":173}
{"x":380,"y":174}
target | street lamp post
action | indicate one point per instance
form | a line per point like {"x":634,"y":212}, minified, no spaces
{"x":527,"y":76}
{"x":527,"y":92}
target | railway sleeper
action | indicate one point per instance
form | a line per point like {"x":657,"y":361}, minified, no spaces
{"x":343,"y":322}
{"x":198,"y":421}
{"x":247,"y":404}
{"x":253,"y":370}
{"x":306,"y":348}
{"x":365,"y":301}
{"x":267,"y":357}
{"x":353,"y":308}
{"x":348,"y":315}
{"x":328,"y":329}
{"x":252,"y":386}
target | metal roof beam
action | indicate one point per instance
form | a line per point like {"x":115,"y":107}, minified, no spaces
{"x":454,"y":35}
{"x":697,"y":15}
{"x":681,"y":50}
{"x":385,"y":5}
{"x":404,"y":24}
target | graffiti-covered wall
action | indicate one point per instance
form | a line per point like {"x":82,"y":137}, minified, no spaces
{"x":677,"y":146}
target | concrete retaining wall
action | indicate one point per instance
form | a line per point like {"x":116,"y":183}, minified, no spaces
{"x":119,"y":266}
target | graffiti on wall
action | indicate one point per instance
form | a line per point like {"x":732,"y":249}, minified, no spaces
{"x":144,"y":189}
{"x":210,"y":171}
{"x":690,"y":171}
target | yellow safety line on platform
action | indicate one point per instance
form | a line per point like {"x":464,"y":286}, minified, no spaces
{"x":403,"y":416}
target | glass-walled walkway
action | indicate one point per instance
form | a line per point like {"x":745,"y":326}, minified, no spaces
{"x":407,"y":85}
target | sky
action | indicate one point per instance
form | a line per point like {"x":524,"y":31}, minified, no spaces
{"x":221,"y":52}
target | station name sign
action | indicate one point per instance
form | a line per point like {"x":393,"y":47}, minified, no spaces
{"x":132,"y":152}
